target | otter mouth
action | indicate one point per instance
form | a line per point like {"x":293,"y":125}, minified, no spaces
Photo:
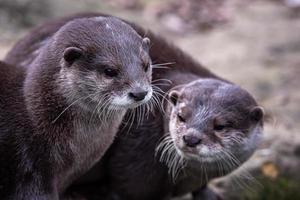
{"x":126,"y":107}
{"x":131,"y":104}
{"x":203,"y":154}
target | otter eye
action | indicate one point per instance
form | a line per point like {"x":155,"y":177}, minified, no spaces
{"x":219,"y":127}
{"x":110,"y":72}
{"x":180,"y":118}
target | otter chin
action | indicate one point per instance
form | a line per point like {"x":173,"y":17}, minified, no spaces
{"x":214,"y":123}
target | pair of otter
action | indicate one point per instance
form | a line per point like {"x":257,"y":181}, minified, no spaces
{"x":207,"y":121}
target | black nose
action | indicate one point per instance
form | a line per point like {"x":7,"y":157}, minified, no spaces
{"x":191,"y":140}
{"x":138,"y":96}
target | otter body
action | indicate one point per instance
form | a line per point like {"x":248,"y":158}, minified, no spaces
{"x":177,"y":152}
{"x":134,"y":170}
{"x":71,"y":97}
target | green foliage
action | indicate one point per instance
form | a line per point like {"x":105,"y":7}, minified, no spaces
{"x":279,"y":189}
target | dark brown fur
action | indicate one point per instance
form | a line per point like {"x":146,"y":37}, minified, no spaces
{"x":45,"y":143}
{"x":18,"y":148}
{"x":130,"y":182}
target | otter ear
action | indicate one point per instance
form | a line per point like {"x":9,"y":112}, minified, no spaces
{"x":257,"y":113}
{"x":173,"y":97}
{"x":146,"y":44}
{"x":71,"y":54}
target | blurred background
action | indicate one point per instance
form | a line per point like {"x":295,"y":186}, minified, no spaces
{"x":255,"y":44}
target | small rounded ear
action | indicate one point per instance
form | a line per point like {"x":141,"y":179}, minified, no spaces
{"x":173,"y":97}
{"x":146,"y":44}
{"x":71,"y":54}
{"x":257,"y":113}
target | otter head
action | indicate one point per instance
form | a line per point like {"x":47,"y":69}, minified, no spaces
{"x":103,"y":63}
{"x":214,"y":123}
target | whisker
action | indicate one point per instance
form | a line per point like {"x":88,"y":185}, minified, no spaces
{"x":170,"y":157}
{"x":101,"y":103}
{"x":162,"y":79}
{"x":158,"y":67}
{"x":164,"y":64}
{"x":73,"y":103}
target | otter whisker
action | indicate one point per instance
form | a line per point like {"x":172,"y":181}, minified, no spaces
{"x":161,"y":94}
{"x":239,"y":164}
{"x":158,"y":102}
{"x":106,"y":100}
{"x":226,"y":164}
{"x":233,"y":157}
{"x":231,"y":161}
{"x":162,"y":84}
{"x":164,"y":64}
{"x":142,"y":114}
{"x":235,"y":139}
{"x":102,"y":103}
{"x":128,"y":118}
{"x":146,"y":109}
{"x":159,"y":90}
{"x":224,"y":167}
{"x":170,"y":157}
{"x":161,"y":146}
{"x":132,"y":117}
{"x":103,"y":109}
{"x":151,"y":106}
{"x":219,"y":171}
{"x":162,"y":79}
{"x":156,"y":88}
{"x":244,"y":178}
{"x":228,"y":167}
{"x":69,"y":106}
{"x":139,"y":115}
{"x":111,"y":112}
{"x":155,"y":97}
{"x":157,"y":67}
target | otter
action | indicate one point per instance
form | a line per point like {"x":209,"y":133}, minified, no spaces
{"x":206,"y":129}
{"x":209,"y":128}
{"x":161,"y":53}
{"x":68,"y":103}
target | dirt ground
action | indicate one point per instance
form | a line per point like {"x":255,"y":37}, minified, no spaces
{"x":258,"y":49}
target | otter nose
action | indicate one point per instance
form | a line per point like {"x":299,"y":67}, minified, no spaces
{"x":191,"y":140}
{"x":138,"y":95}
